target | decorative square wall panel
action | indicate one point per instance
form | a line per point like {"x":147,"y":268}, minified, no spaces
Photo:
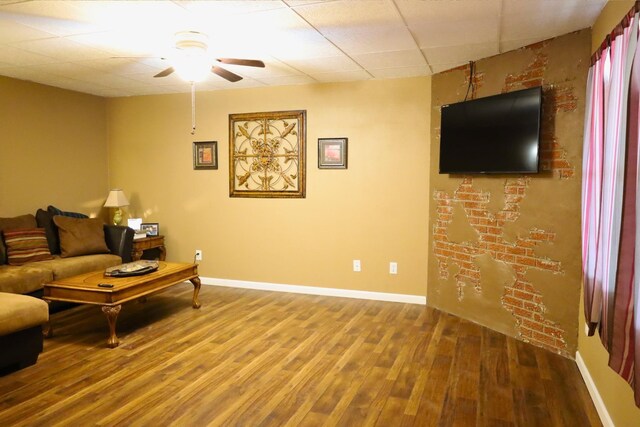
{"x":267,"y":154}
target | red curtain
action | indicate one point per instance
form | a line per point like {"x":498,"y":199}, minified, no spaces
{"x":610,"y":204}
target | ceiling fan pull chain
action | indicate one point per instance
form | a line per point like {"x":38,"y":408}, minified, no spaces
{"x":193,"y":108}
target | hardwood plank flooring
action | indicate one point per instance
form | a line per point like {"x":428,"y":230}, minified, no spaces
{"x":251,"y":358}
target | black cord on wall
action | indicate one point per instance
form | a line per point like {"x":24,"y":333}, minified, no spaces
{"x":471,"y":72}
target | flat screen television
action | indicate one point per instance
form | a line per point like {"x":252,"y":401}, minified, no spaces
{"x":496,"y":134}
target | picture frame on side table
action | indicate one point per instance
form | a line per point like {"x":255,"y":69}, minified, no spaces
{"x":332,"y":153}
{"x":205,"y":155}
{"x":151,"y":228}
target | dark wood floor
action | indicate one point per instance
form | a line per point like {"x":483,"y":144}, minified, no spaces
{"x":251,"y":358}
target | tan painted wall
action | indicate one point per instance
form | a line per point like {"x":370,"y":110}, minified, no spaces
{"x":614,"y":391}
{"x":53,"y":149}
{"x":505,"y":250}
{"x":375,"y":211}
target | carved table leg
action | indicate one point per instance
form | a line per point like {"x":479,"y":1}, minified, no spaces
{"x":47,"y":328}
{"x":112,"y":316}
{"x":196,"y":291}
{"x":163,"y":253}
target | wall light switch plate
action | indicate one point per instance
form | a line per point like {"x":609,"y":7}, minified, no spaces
{"x":393,"y":268}
{"x":356,"y":265}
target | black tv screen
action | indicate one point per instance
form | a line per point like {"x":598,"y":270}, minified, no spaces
{"x":496,"y":134}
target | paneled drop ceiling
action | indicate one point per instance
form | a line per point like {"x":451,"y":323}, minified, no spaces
{"x":113,"y":48}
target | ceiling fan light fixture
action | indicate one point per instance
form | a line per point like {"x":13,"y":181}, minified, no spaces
{"x":193,"y":68}
{"x":192,"y":62}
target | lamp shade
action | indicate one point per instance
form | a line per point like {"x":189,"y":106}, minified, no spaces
{"x":116,"y":199}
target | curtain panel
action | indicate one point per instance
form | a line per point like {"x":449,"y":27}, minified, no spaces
{"x":610,"y":202}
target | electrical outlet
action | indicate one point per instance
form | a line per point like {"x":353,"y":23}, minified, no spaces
{"x":356,"y":265}
{"x":198,"y":255}
{"x":393,"y":268}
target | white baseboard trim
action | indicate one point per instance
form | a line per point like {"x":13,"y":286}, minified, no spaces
{"x":313,"y":290}
{"x":593,"y":391}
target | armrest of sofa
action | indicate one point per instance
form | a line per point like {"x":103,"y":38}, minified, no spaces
{"x":119,"y":239}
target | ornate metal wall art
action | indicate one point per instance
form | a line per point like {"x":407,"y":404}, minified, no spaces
{"x":267,"y":154}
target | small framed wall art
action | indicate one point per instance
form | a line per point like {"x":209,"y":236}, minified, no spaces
{"x":151,"y":228}
{"x":332,"y":153}
{"x":205,"y":155}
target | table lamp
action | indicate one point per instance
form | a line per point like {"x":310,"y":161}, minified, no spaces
{"x":116,"y":199}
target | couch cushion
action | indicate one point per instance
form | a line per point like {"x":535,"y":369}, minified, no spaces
{"x":80,"y":236}
{"x":26,"y":245}
{"x":23,"y":221}
{"x":67,"y":267}
{"x":23,"y":279}
{"x":45,"y":220}
{"x":18,"y":312}
{"x":55,"y":211}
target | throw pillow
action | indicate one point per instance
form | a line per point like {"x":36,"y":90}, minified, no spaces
{"x":55,"y":211}
{"x":26,"y":245}
{"x":23,"y":221}
{"x":45,"y":220}
{"x":80,"y":236}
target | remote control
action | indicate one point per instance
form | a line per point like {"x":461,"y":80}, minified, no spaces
{"x":105,"y":285}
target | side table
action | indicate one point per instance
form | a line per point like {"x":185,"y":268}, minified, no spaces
{"x":151,"y":242}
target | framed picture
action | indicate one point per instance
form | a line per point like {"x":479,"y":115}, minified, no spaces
{"x":205,"y":155}
{"x":151,"y":228}
{"x":267,"y":154}
{"x":332,"y":153}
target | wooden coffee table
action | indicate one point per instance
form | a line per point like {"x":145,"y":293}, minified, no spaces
{"x":84,"y":289}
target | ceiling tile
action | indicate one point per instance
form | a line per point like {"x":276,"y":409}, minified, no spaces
{"x":325,"y":65}
{"x":61,"y":18}
{"x":400,"y":72}
{"x":286,"y":80}
{"x":12,"y":32}
{"x":340,"y":76}
{"x":128,"y":43}
{"x":120,"y":66}
{"x":450,"y":23}
{"x":19,"y":57}
{"x":463,"y":53}
{"x":523,"y":19}
{"x":62,"y":49}
{"x":359,"y":27}
{"x":396,"y":59}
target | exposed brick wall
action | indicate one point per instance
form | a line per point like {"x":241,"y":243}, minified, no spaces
{"x":556,"y":97}
{"x":520,"y":298}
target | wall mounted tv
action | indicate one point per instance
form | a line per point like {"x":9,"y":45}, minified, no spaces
{"x":496,"y":134}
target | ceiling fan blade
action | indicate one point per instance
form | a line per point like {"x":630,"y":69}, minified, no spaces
{"x":225,"y":74}
{"x":247,"y":62}
{"x":165,"y":73}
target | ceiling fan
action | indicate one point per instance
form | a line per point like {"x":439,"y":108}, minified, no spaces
{"x":192,"y":62}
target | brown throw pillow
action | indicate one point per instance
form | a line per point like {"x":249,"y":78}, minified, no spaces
{"x":26,"y":245}
{"x":23,"y":221}
{"x":80,"y":236}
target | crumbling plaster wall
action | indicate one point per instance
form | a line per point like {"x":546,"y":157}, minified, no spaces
{"x":506,"y":248}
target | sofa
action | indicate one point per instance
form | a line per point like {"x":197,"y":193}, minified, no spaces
{"x":37,"y":249}
{"x":71,"y":250}
{"x":21,"y":321}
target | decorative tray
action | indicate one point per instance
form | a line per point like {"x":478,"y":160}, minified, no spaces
{"x":136,"y":268}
